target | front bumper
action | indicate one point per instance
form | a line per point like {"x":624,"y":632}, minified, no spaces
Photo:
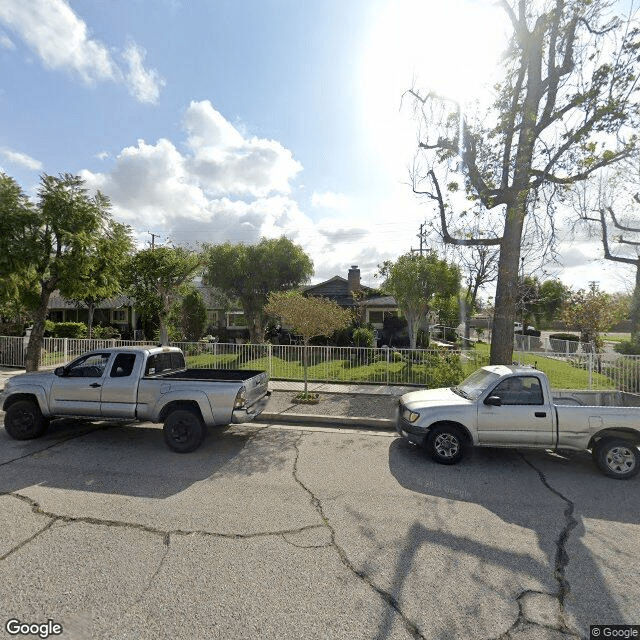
{"x":411,"y":432}
{"x":247,"y":414}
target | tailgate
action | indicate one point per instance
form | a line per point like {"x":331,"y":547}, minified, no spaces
{"x":256,"y":387}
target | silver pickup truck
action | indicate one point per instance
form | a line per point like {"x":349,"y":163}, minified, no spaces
{"x":505,"y":406}
{"x":134,"y":383}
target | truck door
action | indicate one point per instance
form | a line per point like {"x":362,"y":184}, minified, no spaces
{"x":78,"y":390}
{"x":520,"y":417}
{"x":120,"y":387}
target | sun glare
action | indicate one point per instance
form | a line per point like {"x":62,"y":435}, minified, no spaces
{"x":451,"y":47}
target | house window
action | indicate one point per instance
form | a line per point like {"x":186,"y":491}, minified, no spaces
{"x":120,"y":316}
{"x":212,"y":317}
{"x":376,"y":317}
{"x":236,"y":319}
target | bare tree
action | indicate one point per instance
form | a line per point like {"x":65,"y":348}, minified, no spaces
{"x":565,"y":108}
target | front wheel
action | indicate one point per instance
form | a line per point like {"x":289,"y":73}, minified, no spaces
{"x":445,"y":444}
{"x":24,"y":420}
{"x":617,"y":458}
{"x":183,"y":431}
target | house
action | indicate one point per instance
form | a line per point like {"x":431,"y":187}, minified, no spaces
{"x":117,"y":311}
{"x":352,"y":294}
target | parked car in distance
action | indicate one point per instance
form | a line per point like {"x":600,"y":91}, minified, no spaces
{"x":509,"y":406}
{"x":135,"y":383}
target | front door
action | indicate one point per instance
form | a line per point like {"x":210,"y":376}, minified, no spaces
{"x":77,"y":392}
{"x":522,"y":417}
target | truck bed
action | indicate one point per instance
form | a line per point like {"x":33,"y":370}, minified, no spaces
{"x":219,"y":375}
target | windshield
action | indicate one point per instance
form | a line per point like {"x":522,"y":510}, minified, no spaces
{"x":475,"y":384}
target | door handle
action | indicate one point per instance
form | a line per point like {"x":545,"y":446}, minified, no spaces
{"x":95,"y":385}
{"x":540,"y":414}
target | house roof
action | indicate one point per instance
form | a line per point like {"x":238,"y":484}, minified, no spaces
{"x":379,"y":301}
{"x":56,"y":301}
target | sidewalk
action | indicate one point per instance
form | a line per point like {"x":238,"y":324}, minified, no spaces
{"x":340,"y":405}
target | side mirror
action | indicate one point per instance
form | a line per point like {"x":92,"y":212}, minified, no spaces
{"x":494,"y":401}
{"x":59,"y":371}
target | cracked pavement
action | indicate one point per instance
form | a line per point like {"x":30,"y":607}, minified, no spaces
{"x":275,"y":531}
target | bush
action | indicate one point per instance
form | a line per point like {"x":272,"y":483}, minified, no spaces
{"x":70,"y":330}
{"x":628,"y":348}
{"x":564,"y":342}
{"x":363,"y":337}
{"x":106,"y":333}
{"x":11,"y":329}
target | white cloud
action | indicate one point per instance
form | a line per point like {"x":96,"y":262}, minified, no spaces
{"x":21,"y":159}
{"x":223,"y":186}
{"x":144,"y":85}
{"x":6,"y":42}
{"x":62,"y":41}
{"x":331,"y":200}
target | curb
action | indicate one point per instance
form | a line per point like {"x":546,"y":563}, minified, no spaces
{"x":327,"y":421}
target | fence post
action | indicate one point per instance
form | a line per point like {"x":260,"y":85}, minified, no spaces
{"x":65,"y":349}
{"x":590,"y":370}
{"x":270,"y":356}
{"x":387,"y":350}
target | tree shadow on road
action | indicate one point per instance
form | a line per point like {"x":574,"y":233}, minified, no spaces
{"x":133,"y":460}
{"x":555,"y":496}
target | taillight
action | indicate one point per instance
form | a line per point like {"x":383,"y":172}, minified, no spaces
{"x":241,"y":398}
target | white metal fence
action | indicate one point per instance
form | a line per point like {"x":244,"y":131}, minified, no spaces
{"x":568,"y":369}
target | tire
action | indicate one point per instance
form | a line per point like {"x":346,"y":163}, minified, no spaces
{"x":184,"y":430}
{"x":24,"y":420}
{"x":446,"y":444}
{"x":617,"y":458}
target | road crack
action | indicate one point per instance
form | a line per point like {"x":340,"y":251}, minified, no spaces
{"x":387,"y":597}
{"x":538,"y":608}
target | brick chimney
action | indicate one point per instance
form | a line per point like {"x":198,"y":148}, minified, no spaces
{"x":353,"y":280}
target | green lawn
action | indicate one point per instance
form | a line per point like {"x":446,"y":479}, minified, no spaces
{"x":562,"y":374}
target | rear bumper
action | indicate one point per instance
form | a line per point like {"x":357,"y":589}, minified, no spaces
{"x":250,"y":413}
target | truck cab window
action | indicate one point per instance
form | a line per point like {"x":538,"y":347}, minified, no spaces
{"x":91,"y":366}
{"x":519,"y":390}
{"x":123,"y":365}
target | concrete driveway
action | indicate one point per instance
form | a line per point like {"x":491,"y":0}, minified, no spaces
{"x":290,"y":532}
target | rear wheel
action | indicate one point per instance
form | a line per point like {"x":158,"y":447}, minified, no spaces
{"x":617,"y":458}
{"x":24,"y":420}
{"x":184,"y":430}
{"x":445,"y":444}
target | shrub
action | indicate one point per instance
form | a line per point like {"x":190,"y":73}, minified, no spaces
{"x":564,"y":342}
{"x":628,"y":348}
{"x":70,"y":330}
{"x":11,"y":329}
{"x":105,"y":333}
{"x":363,"y":337}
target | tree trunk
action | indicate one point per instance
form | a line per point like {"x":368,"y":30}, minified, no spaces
{"x":34,"y":347}
{"x":506,"y":297}
{"x":164,"y":331}
{"x":90,"y":311}
{"x":635,"y":308}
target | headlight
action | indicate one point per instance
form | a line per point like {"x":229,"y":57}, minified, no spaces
{"x":241,"y":398}
{"x":409,"y":416}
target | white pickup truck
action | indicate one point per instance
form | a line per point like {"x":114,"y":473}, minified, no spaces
{"x":508,"y":406}
{"x":134,"y":383}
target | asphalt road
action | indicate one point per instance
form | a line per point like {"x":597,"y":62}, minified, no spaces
{"x":293,"y":532}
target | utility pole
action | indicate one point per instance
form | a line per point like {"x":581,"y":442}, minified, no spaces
{"x":420,"y":236}
{"x":153,"y":239}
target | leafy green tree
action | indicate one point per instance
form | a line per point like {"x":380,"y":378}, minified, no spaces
{"x":50,"y":243}
{"x":566,"y":107}
{"x":103,"y":270}
{"x":307,"y":316}
{"x":157,"y":278}
{"x":192,"y":318}
{"x":593,"y":312}
{"x":552,"y":295}
{"x":251,"y":272}
{"x":418,"y":283}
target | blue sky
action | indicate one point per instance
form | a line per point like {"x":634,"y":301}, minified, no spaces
{"x":214,"y":120}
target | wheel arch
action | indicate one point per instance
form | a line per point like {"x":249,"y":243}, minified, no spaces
{"x":452,"y":423}
{"x":631,"y":435}
{"x":189,"y":405}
